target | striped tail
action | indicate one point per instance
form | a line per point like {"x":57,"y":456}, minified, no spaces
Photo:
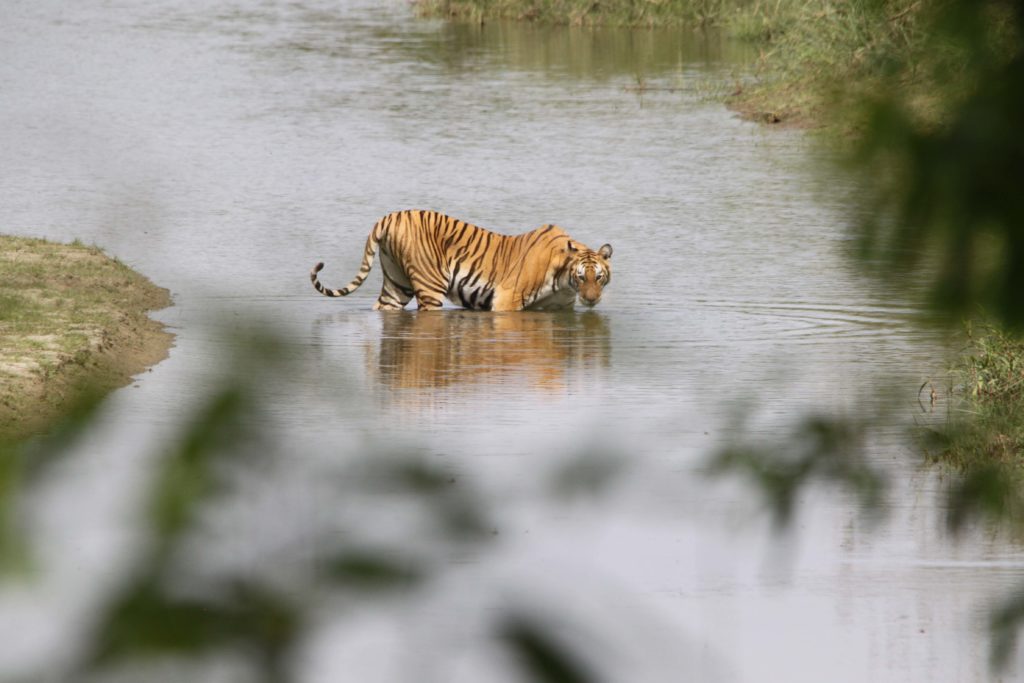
{"x":368,"y":255}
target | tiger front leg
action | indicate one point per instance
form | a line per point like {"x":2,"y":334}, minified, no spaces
{"x":429,"y":300}
{"x":429,"y":296}
{"x":506,"y":300}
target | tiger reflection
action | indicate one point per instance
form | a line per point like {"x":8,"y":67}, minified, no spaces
{"x":456,"y":347}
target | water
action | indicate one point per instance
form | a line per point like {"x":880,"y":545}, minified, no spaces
{"x":224,"y":148}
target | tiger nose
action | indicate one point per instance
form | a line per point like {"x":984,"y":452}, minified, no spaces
{"x":589,"y":296}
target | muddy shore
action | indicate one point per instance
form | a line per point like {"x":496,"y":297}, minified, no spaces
{"x":72,"y":319}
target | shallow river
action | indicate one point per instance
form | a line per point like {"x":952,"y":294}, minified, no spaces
{"x":223,"y":148}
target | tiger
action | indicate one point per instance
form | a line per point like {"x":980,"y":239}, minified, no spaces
{"x":431,"y":256}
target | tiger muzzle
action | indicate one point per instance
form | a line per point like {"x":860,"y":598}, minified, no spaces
{"x":589,"y":293}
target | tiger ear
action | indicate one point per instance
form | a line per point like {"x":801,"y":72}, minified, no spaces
{"x":570,"y":246}
{"x":605,"y":251}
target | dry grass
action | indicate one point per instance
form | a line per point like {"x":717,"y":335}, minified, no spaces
{"x":69,"y":316}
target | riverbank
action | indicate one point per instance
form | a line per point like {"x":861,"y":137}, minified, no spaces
{"x":989,"y":381}
{"x":815,"y":56}
{"x":71,"y":318}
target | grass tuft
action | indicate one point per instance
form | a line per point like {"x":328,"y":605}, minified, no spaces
{"x":991,"y":375}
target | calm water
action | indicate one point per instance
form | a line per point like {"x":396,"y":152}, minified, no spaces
{"x":223,"y":148}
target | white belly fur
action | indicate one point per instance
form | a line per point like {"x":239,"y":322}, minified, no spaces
{"x":562,"y":299}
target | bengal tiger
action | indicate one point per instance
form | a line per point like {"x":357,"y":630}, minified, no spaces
{"x":431,"y":256}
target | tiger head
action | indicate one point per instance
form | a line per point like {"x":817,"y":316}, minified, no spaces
{"x":589,"y":271}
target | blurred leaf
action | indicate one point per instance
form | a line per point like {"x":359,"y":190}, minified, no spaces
{"x":366,"y":571}
{"x":465,"y":520}
{"x":944,"y":188}
{"x":1005,"y":623}
{"x":588,"y":474}
{"x":541,"y":656}
{"x":989,"y":491}
{"x":822,"y":449}
{"x":22,"y":464}
{"x":145,"y":621}
{"x":187,"y":475}
{"x":454,"y":506}
{"x":43,"y":451}
{"x":415,"y":476}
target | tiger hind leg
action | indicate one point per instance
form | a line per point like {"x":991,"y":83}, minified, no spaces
{"x":396,"y":291}
{"x":393,"y":296}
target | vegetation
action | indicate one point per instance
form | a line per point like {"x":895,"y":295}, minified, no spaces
{"x":583,"y":12}
{"x":808,"y":49}
{"x":68,"y":313}
{"x":937,"y":147}
{"x":944,"y":217}
{"x":984,"y":437}
{"x":991,"y":378}
{"x":818,"y":59}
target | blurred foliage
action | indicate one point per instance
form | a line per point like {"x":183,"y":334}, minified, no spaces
{"x":539,"y":653}
{"x":985,"y":490}
{"x":945,"y":209}
{"x":23,"y":464}
{"x":1005,"y":623}
{"x":820,"y":449}
{"x":932,"y":102}
{"x":151,"y":615}
{"x":170,"y":609}
{"x":987,"y":429}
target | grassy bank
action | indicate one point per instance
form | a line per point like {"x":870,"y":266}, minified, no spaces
{"x":815,"y":56}
{"x":582,"y":12}
{"x":990,"y":376}
{"x":70,"y":317}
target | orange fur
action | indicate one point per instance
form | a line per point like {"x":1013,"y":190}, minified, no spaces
{"x":431,"y":256}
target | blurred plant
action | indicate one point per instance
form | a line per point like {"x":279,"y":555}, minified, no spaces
{"x":946,"y":215}
{"x":24,"y":464}
{"x":174,"y":609}
{"x":820,"y":449}
{"x":984,"y":438}
{"x":539,"y":654}
{"x":946,"y":210}
{"x":939,"y":154}
{"x":994,"y":364}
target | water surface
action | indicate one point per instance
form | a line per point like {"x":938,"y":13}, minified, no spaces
{"x":224,"y":148}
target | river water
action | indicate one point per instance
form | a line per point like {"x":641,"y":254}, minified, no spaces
{"x":222,"y":148}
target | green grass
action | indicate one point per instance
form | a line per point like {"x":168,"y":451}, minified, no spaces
{"x":646,"y":13}
{"x":69,"y":315}
{"x":983,"y":442}
{"x":819,"y":57}
{"x":815,"y":57}
{"x":991,"y":376}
